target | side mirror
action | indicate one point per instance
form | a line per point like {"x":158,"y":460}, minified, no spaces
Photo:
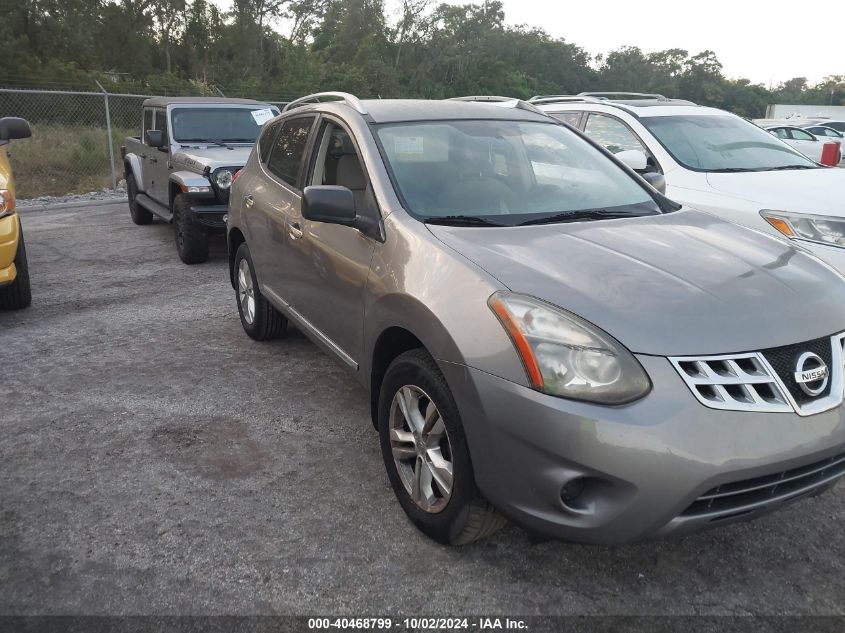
{"x":656,"y":180}
{"x":331,"y":204}
{"x":12,"y":127}
{"x":155,"y":138}
{"x":634,"y":158}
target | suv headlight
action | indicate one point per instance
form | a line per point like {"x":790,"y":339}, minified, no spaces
{"x":820,"y":229}
{"x":7,"y":203}
{"x":223,"y":178}
{"x":566,"y":356}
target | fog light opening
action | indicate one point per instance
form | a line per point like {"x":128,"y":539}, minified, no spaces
{"x":571,"y":492}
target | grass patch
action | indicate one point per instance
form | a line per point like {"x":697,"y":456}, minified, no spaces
{"x":62,"y":159}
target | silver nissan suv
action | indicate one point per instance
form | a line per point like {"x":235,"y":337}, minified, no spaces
{"x":544,"y":336}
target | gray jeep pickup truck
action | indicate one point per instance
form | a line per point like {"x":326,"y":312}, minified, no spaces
{"x":183,"y":164}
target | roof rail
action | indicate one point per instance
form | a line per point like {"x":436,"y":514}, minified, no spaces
{"x":609,"y":95}
{"x":543,"y":99}
{"x":319,"y":97}
{"x":506,"y":102}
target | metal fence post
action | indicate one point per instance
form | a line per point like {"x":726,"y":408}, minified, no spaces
{"x":108,"y":131}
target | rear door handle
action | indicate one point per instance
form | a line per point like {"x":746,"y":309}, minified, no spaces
{"x":249,"y":200}
{"x":294,"y":230}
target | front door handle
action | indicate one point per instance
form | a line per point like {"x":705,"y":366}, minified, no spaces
{"x":294,"y":230}
{"x":249,"y":200}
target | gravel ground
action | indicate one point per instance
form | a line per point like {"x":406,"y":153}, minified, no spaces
{"x":154,"y":460}
{"x":106,"y":195}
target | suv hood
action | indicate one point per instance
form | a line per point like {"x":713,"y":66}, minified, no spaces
{"x":198,"y":158}
{"x":684,"y":283}
{"x":818,"y":191}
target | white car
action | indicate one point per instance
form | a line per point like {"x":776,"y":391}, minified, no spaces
{"x":718,"y":162}
{"x":831,"y":134}
{"x":804,"y":141}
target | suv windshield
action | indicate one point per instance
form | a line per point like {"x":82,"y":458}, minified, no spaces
{"x":722,"y":143}
{"x":506,"y":172}
{"x":228,"y":125}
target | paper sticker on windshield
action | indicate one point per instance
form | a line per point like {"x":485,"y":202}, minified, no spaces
{"x":262,"y":116}
{"x":410,"y":146}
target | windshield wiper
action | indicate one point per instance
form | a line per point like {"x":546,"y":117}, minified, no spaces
{"x":577,"y":216}
{"x":783,"y":167}
{"x":462,"y":220}
{"x":203,"y":141}
{"x":733,"y":170}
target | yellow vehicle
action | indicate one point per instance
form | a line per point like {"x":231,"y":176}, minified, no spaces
{"x":14,"y":272}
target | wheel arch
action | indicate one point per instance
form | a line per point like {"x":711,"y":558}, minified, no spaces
{"x":132,"y":165}
{"x":234,"y":238}
{"x":400,"y":324}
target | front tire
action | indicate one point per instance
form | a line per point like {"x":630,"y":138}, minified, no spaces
{"x":260,"y":320}
{"x":139,"y":214}
{"x":426,"y":455}
{"x":18,"y":294}
{"x":191,"y":238}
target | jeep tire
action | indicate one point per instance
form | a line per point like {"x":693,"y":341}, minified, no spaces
{"x":191,"y":237}
{"x":17,"y":294}
{"x":139,"y":214}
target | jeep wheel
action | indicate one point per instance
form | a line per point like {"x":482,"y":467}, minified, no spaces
{"x":191,"y":238}
{"x":426,"y":456}
{"x":139,"y":215}
{"x":260,"y":320}
{"x":18,"y":294}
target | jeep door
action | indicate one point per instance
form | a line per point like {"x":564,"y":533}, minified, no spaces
{"x":156,"y":171}
{"x":272,"y":199}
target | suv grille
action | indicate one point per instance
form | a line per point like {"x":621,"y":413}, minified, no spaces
{"x":740,"y":383}
{"x":743,"y":497}
{"x":782,"y":360}
{"x":764,"y":381}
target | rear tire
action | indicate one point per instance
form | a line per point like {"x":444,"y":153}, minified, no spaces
{"x":260,"y":320}
{"x":191,"y":238}
{"x":18,"y":294}
{"x":450,"y":510}
{"x":139,"y":215}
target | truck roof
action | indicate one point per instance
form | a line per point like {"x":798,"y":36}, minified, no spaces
{"x":163,"y":102}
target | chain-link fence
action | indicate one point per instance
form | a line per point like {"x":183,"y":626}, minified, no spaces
{"x":76,"y":139}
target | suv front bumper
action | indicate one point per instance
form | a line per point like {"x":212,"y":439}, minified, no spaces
{"x":642,"y":465}
{"x":9,"y":236}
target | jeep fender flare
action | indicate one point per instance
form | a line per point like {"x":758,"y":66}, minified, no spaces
{"x":132,"y":165}
{"x":181,"y":180}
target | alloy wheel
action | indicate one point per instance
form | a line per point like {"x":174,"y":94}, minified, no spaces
{"x":246,"y":292}
{"x":421,"y":449}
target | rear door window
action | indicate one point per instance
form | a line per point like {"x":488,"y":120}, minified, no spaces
{"x":148,"y":123}
{"x":568,"y":117}
{"x":288,"y":150}
{"x":160,"y":123}
{"x":268,"y":137}
{"x":801,"y":135}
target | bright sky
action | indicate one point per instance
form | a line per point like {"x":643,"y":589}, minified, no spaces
{"x":751,"y":38}
{"x":765,"y":41}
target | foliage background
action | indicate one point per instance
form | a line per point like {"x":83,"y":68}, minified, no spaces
{"x":280,"y":49}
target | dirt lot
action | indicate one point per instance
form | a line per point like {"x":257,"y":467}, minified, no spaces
{"x":153,"y":459}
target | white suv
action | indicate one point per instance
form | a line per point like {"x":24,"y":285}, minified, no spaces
{"x":717,"y":162}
